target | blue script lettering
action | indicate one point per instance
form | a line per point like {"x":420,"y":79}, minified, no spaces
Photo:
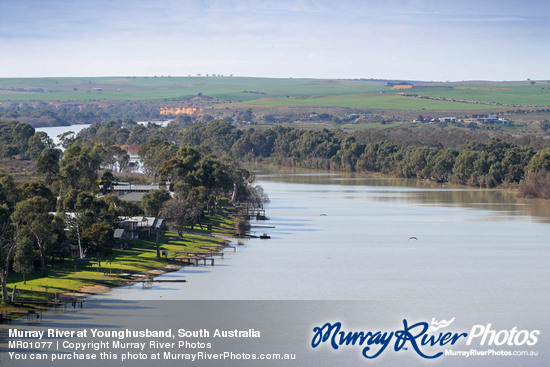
{"x":332,"y":331}
{"x":405,"y":335}
{"x":409,"y":334}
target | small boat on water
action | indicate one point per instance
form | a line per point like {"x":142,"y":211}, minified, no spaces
{"x":265,"y":236}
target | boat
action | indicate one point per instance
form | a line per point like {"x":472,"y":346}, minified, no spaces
{"x":265,"y":236}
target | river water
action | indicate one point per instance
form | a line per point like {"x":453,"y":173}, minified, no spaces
{"x":54,"y":131}
{"x":357,"y":248}
{"x":344,"y":237}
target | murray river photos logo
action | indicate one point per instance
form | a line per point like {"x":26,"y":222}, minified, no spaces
{"x":426,"y":339}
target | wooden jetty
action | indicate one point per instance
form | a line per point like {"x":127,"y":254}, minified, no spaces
{"x":151,"y":280}
{"x":217,"y":248}
{"x":195,"y":257}
{"x":194,"y":260}
{"x":56,"y":304}
{"x":31,"y":316}
{"x":250,"y":210}
{"x":199,"y":253}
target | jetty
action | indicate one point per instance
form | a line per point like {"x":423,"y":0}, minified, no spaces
{"x":250,"y":210}
{"x":53,"y":303}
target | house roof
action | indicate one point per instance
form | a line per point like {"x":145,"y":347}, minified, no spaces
{"x":144,"y":222}
{"x":134,"y":187}
{"x":133,"y":196}
{"x":119,"y":232}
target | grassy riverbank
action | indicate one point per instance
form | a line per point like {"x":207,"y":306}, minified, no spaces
{"x":68,"y":279}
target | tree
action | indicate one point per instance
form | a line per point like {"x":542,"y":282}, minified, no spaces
{"x":67,"y":139}
{"x":99,"y":240}
{"x":21,"y":134}
{"x":107,"y":182}
{"x":42,"y":230}
{"x":540,"y":162}
{"x":176,"y":212}
{"x":7,"y":248}
{"x":23,"y":261}
{"x":174,"y":170}
{"x":441,"y":164}
{"x":31,"y":189}
{"x":154,"y":152}
{"x":10,"y":192}
{"x":154,"y":200}
{"x":48,"y":165}
{"x":535,"y":185}
{"x":117,"y":158}
{"x":197,"y":199}
{"x":464,"y":166}
{"x":116,"y":207}
{"x":38,"y":143}
{"x":256,"y":194}
{"x":79,"y":166}
{"x":77,"y":208}
{"x":242,"y":227}
{"x":32,"y":221}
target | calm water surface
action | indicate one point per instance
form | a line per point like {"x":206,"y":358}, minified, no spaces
{"x":341,"y":237}
{"x":481,"y":256}
{"x":54,"y":131}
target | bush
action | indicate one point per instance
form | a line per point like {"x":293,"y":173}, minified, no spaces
{"x":535,"y":186}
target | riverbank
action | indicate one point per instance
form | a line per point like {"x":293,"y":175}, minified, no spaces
{"x":68,"y":280}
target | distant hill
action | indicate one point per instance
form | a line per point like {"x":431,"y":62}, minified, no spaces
{"x":274,"y":91}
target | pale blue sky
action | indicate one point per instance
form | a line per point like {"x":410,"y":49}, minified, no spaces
{"x":394,"y":39}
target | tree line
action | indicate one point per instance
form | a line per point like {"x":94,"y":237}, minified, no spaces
{"x":21,"y":140}
{"x":73,"y":202}
{"x":442,"y":156}
{"x":427,"y":153}
{"x":39,"y":114}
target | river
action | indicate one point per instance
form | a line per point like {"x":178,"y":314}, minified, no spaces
{"x":349,"y":237}
{"x":357,"y":247}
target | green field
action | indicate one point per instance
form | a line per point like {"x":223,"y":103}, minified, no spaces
{"x":371,"y":101}
{"x":173,"y":88}
{"x":277,"y":92}
{"x":521,"y":93}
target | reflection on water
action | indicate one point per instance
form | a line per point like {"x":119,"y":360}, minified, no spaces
{"x":425,"y":250}
{"x":340,"y":236}
{"x":397,"y":190}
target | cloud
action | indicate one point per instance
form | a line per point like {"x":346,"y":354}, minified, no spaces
{"x":273,"y":38}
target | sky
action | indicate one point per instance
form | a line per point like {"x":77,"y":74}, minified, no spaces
{"x":431,"y":40}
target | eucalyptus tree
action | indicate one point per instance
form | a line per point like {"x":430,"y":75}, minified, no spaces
{"x":8,"y":245}
{"x":32,"y":220}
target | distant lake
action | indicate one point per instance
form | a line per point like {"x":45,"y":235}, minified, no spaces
{"x":54,"y":131}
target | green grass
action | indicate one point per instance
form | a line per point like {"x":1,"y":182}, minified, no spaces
{"x":523,"y":94}
{"x":222,"y":88}
{"x":140,"y":257}
{"x":377,"y":126}
{"x":277,"y":91}
{"x":371,"y":101}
